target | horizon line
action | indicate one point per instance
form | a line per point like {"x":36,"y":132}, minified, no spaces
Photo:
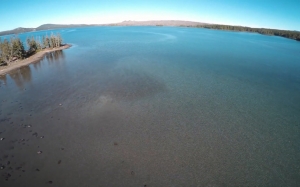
{"x":145,"y":25}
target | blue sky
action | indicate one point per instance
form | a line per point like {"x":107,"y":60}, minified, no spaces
{"x":279,"y":14}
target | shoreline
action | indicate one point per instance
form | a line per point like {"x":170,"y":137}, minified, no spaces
{"x":34,"y":58}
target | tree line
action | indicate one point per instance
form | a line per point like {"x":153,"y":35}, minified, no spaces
{"x":295,"y":35}
{"x":13,"y":49}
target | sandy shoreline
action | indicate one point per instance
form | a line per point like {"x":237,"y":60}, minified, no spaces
{"x":34,"y":58}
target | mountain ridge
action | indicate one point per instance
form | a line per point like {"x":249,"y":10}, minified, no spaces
{"x":50,"y":26}
{"x":295,"y":35}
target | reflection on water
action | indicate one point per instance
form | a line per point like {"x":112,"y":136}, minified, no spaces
{"x":23,"y":75}
{"x":3,"y":80}
{"x":37,"y":65}
{"x":55,"y":56}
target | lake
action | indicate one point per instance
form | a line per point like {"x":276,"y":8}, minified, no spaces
{"x":154,"y":106}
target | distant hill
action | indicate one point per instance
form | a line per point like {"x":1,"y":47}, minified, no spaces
{"x":42,"y":27}
{"x":17,"y":31}
{"x":160,"y":23}
{"x":295,"y":35}
{"x":124,"y":23}
{"x":59,"y":26}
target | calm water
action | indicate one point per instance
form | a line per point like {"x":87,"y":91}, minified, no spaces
{"x":154,"y":106}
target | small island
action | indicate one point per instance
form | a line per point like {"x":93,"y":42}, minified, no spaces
{"x":13,"y":54}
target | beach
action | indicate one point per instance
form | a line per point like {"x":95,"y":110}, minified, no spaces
{"x":34,"y":58}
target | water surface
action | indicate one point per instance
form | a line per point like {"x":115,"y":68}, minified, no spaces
{"x":155,"y":106}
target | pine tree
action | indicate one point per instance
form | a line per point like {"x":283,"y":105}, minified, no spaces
{"x":46,"y":41}
{"x":52,"y":41}
{"x":32,"y":45}
{"x":59,"y":40}
{"x":6,"y":51}
{"x":39,"y":43}
{"x":1,"y":61}
{"x":18,"y":48}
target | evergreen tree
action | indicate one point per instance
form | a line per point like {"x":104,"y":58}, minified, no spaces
{"x":18,"y":48}
{"x":6,"y":51}
{"x":52,"y":41}
{"x":33,"y":45}
{"x":45,"y":44}
{"x":39,"y":43}
{"x":59,"y":40}
{"x":1,"y":60}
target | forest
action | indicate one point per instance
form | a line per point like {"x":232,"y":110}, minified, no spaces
{"x":295,"y":35}
{"x":13,"y":49}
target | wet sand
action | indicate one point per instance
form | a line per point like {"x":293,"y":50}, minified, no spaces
{"x":34,"y":58}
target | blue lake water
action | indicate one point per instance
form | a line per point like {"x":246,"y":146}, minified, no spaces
{"x":154,"y":106}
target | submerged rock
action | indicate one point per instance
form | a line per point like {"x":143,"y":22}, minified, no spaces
{"x":35,"y":134}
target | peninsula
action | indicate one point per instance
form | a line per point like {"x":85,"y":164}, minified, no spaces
{"x":13,"y":55}
{"x":34,"y":58}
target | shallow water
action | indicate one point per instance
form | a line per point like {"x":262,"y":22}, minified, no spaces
{"x":154,"y":106}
